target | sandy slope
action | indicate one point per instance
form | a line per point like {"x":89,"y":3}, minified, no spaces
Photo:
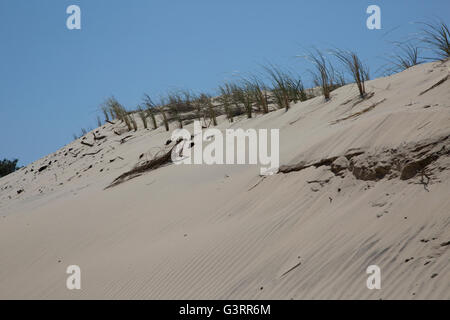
{"x":223,"y":232}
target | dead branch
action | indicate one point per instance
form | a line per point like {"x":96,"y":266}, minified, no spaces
{"x":155,"y":163}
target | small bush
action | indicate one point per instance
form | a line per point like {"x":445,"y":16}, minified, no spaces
{"x":7,"y":166}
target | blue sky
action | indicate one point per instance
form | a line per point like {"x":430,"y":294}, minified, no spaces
{"x":52,"y":79}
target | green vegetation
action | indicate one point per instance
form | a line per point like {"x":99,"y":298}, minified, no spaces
{"x":7,"y":166}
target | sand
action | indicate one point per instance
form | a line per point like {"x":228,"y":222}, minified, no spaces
{"x":224,"y":232}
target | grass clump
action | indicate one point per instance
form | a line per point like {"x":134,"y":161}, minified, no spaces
{"x":407,"y":57}
{"x":437,"y":35}
{"x":151,"y":107}
{"x":143,"y":117}
{"x":105,"y":110}
{"x":286,"y":87}
{"x":226,"y":100}
{"x":133,"y":121}
{"x":355,"y":67}
{"x":323,"y":73}
{"x":178,"y":103}
{"x":259,"y":91}
{"x":243,"y":95}
{"x":279,"y":86}
{"x":119,"y":112}
{"x":206,"y":102}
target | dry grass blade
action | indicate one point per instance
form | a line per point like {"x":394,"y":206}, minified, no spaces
{"x":436,"y":84}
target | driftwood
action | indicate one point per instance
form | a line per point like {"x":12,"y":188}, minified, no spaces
{"x":87,"y":144}
{"x":98,"y":137}
{"x":321,"y":182}
{"x":110,"y":122}
{"x":92,"y":153}
{"x":123,"y":140}
{"x":112,"y":160}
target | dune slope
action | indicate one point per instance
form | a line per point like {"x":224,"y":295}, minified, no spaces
{"x":362,"y":182}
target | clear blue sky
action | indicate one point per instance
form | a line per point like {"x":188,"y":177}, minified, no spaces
{"x":52,"y":79}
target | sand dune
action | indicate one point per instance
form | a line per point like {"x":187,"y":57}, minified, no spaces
{"x":362,"y":182}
